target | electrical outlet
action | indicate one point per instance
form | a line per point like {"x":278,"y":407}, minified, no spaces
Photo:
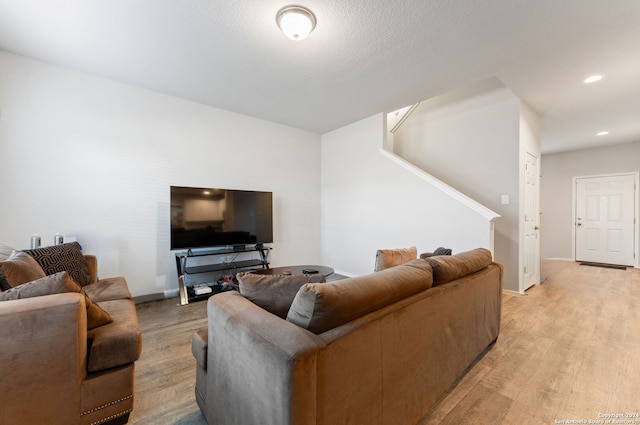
{"x":505,"y":199}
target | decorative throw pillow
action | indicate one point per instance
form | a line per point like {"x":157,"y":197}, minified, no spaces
{"x":451,"y":267}
{"x":274,"y":293}
{"x":386,"y":258}
{"x":5,"y":251}
{"x":442,"y":251}
{"x":66,"y":257}
{"x":4,"y":283}
{"x":21,"y":268}
{"x":58,"y":283}
{"x":438,"y":251}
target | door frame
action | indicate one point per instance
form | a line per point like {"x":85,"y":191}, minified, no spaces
{"x":636,"y":218}
{"x":523,"y":286}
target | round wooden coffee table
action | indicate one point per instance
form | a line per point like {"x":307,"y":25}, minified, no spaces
{"x":297,"y":270}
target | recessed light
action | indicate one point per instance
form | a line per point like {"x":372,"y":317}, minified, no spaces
{"x":602,"y":133}
{"x":593,"y":79}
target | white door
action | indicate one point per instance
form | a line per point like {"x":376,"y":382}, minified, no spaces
{"x":604,"y":219}
{"x":531,"y":216}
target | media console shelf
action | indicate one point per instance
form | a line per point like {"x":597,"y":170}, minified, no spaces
{"x":183,"y":267}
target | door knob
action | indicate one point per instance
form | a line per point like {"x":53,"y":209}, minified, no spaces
{"x":536,"y":228}
{"x":578,"y":224}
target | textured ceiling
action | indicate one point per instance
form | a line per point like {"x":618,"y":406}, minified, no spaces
{"x":364,"y":57}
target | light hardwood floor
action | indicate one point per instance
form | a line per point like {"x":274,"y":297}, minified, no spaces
{"x":568,"y":350}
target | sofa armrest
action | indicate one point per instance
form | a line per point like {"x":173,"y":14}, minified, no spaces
{"x":42,"y":358}
{"x":261,"y":369}
{"x":92,"y":267}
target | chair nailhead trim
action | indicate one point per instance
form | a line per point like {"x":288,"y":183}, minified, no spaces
{"x":107,"y":405}
{"x":108,"y":418}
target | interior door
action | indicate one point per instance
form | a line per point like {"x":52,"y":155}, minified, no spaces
{"x":531,"y":216}
{"x":604,"y":220}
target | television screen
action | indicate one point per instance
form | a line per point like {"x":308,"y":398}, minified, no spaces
{"x":207,"y":217}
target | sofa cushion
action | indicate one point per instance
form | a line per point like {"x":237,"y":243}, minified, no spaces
{"x":386,"y":258}
{"x":113,"y":288}
{"x":58,"y":283}
{"x":4,"y":283}
{"x":274,"y":293}
{"x":448,"y":268}
{"x":117,"y":343}
{"x":65,"y":257}
{"x":21,"y":268}
{"x":321,"y":307}
{"x":199,"y":342}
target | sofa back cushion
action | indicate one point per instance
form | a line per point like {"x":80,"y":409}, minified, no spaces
{"x":108,"y":289}
{"x":387,"y":258}
{"x":451,"y":267}
{"x":20,"y":268}
{"x":274,"y":293}
{"x":66,"y":257}
{"x":321,"y":307}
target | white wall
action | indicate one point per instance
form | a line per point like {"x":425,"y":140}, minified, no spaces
{"x":558,"y":170}
{"x":370,"y":202}
{"x":94,"y":159}
{"x":470,"y":139}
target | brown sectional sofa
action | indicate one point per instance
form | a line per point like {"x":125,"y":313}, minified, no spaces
{"x":375,"y":349}
{"x":54,"y":369}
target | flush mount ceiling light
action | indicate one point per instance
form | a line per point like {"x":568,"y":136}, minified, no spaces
{"x":592,"y":79}
{"x":296,"y":22}
{"x":602,"y":133}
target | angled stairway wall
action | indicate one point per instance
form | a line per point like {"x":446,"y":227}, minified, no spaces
{"x":372,"y":199}
{"x":441,"y":180}
{"x":475,"y":140}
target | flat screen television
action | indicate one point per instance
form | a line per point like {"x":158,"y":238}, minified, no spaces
{"x":210,"y":217}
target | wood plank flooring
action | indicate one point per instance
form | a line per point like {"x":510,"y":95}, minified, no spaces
{"x":568,"y":350}
{"x":165,"y":372}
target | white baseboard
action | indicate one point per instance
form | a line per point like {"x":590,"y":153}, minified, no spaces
{"x":170,"y":293}
{"x":516,"y":293}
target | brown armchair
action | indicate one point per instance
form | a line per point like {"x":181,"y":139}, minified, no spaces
{"x":53,"y":368}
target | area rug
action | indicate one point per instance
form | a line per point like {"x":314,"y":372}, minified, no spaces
{"x":606,"y":266}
